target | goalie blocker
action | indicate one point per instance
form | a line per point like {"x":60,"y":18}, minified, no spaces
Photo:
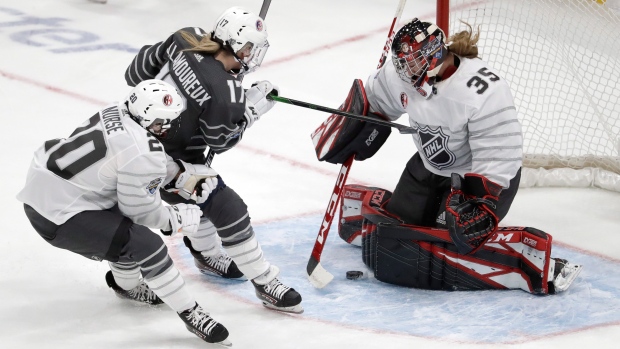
{"x":339,"y":137}
{"x":427,"y":258}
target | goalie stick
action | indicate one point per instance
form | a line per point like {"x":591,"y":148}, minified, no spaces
{"x":319,"y":277}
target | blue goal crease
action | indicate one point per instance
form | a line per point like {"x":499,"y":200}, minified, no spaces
{"x":470,"y":316}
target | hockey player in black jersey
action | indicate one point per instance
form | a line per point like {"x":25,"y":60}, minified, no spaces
{"x":208,"y":68}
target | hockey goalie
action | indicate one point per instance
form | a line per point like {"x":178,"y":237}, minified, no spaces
{"x":439,"y":228}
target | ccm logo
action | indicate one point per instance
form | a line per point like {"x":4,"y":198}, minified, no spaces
{"x":530,"y":242}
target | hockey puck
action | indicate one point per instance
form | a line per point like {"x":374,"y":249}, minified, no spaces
{"x":354,"y":274}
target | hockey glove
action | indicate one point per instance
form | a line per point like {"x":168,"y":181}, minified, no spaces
{"x":183,"y":219}
{"x":256,"y":102}
{"x":470,"y":211}
{"x":191,"y":174}
{"x":204,"y":188}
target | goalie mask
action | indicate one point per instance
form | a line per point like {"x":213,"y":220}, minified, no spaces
{"x":244,"y":34}
{"x":418,"y":51}
{"x":154,"y":104}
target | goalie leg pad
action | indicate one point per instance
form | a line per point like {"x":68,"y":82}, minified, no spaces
{"x":353,"y":199}
{"x":422,"y":257}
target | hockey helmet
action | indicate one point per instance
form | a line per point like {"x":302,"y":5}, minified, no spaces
{"x":244,"y":34}
{"x":154,"y":104}
{"x":418,"y":51}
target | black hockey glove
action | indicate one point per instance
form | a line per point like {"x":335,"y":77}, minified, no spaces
{"x":470,"y":208}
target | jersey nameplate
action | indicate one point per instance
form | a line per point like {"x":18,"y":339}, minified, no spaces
{"x":112,"y":122}
{"x":188,"y":80}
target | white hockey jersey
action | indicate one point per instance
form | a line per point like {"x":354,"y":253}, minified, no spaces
{"x":109,"y":159}
{"x":469,"y":126}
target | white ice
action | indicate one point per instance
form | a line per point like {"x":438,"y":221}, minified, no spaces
{"x":62,"y":60}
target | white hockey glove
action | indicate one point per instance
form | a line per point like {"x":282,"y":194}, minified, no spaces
{"x":184,"y":219}
{"x":256,"y":102}
{"x":185,"y":185}
{"x":205,"y":188}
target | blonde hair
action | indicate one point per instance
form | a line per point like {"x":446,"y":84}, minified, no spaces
{"x":204,"y":45}
{"x":465,"y":43}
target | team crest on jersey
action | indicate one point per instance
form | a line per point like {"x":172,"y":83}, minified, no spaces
{"x":152,"y":187}
{"x":404,"y":100}
{"x":259,"y":25}
{"x":435,"y":147}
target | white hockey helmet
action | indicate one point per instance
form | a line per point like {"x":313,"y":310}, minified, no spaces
{"x":245,"y":35}
{"x":154,"y":104}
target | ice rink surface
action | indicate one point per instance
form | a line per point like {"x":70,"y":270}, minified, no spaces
{"x":64,"y":59}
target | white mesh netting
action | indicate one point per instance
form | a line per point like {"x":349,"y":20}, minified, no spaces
{"x":561,"y":59}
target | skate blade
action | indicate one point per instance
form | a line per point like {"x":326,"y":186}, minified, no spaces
{"x":295,"y":309}
{"x":569,"y":280}
{"x":225,"y":343}
{"x":213,"y":274}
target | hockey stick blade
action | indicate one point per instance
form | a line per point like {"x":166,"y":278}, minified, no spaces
{"x":401,"y":128}
{"x":319,"y":277}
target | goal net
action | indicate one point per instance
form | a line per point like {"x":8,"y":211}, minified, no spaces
{"x":561,"y":59}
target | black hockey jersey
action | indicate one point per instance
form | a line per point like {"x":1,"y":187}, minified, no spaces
{"x":215,"y":100}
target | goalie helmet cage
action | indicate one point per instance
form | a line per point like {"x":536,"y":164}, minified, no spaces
{"x":561,"y":60}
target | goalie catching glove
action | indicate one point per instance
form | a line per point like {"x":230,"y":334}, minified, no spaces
{"x":183,"y":219}
{"x":256,"y":102}
{"x":194,"y":182}
{"x":470,"y":208}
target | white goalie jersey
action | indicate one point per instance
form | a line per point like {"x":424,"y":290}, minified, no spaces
{"x":469,"y":126}
{"x":109,"y":159}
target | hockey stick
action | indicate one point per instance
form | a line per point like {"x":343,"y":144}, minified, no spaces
{"x":263,"y":10}
{"x":318,"y":276}
{"x":401,"y":128}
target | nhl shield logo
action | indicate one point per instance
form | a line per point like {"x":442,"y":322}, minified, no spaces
{"x":435,"y":147}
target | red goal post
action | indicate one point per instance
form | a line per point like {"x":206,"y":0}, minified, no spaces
{"x":561,"y":59}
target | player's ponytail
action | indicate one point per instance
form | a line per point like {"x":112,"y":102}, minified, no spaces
{"x":465,"y":43}
{"x":204,"y":45}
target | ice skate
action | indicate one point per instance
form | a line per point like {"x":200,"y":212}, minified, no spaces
{"x":204,"y":326}
{"x":141,"y":293}
{"x":219,"y":265}
{"x":275,"y":295}
{"x":564,"y":273}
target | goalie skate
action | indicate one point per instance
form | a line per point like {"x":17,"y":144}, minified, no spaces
{"x":204,"y":326}
{"x":564,"y":274}
{"x":141,"y":293}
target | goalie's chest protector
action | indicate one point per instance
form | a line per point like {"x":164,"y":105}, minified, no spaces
{"x":441,"y":121}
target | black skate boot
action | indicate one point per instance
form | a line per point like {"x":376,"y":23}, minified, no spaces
{"x":276,"y":295}
{"x":202,"y":325}
{"x":218,"y":265}
{"x":141,"y":293}
{"x":564,"y":273}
